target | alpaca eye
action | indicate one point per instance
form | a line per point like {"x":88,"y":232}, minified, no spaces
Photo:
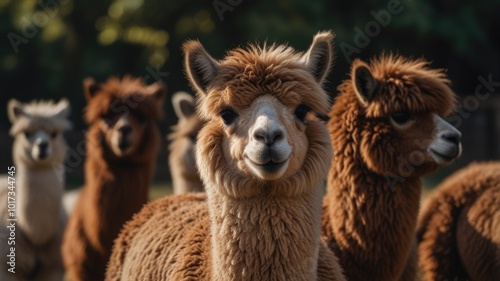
{"x":228,"y":116}
{"x":401,"y":118}
{"x":27,"y":135}
{"x":301,"y":112}
{"x":53,"y":135}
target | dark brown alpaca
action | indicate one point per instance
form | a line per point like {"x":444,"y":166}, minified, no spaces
{"x":387,"y":132}
{"x":122,"y":144}
{"x":459,"y":227}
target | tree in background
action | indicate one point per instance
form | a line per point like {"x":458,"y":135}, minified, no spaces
{"x":49,"y":46}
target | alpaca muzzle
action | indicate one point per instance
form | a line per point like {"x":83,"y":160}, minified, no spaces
{"x":268,"y":157}
{"x":41,"y":149}
{"x":446,"y":146}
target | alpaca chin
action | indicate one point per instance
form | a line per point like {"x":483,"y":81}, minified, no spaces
{"x":268,"y":171}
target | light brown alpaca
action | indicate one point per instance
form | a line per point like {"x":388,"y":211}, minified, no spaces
{"x":387,"y":132}
{"x":185,"y":177}
{"x":35,"y":190}
{"x":459,"y":227}
{"x":262,"y":162}
{"x":122,"y":144}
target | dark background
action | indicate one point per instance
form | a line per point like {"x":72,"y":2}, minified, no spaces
{"x":48,"y":47}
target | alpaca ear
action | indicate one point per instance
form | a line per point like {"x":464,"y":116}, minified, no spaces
{"x":184,"y":105}
{"x":14,"y":110}
{"x":319,"y":56}
{"x":201,"y":68}
{"x":159,"y":91}
{"x":363,"y":81}
{"x":90,"y":88}
{"x":63,"y":108}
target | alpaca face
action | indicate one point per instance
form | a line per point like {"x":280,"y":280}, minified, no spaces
{"x":401,"y":109}
{"x":265,"y":138}
{"x":123,"y":133}
{"x":38,"y":129}
{"x":122,"y":112}
{"x":38,"y":144}
{"x":257,"y":102}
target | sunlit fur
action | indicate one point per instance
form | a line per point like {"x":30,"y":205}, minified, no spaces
{"x":248,"y":227}
{"x":459,"y":226}
{"x":372,"y":201}
{"x":116,"y":180}
{"x":37,"y":185}
{"x":182,"y":163}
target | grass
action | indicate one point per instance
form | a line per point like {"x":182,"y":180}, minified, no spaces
{"x":160,"y":189}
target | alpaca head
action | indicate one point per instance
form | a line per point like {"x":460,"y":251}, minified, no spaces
{"x":401,"y":104}
{"x":185,"y":133}
{"x":38,"y":130}
{"x":256,"y":102}
{"x":123,"y":111}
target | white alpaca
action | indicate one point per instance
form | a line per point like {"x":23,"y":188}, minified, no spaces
{"x":39,"y":150}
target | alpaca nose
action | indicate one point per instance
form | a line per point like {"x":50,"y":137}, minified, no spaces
{"x":43,"y":145}
{"x":268,"y":137}
{"x":125,"y":130}
{"x":453,"y":137}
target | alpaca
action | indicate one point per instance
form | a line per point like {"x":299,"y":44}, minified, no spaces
{"x":459,"y":226}
{"x":262,"y":163}
{"x":122,"y":143}
{"x":181,"y":160}
{"x":39,"y":151}
{"x":387,"y":132}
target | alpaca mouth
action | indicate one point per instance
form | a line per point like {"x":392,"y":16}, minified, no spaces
{"x":123,"y":145}
{"x":270,"y":166}
{"x":445,"y":157}
{"x":42,"y":155}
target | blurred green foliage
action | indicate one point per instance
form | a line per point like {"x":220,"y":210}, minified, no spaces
{"x":49,"y":46}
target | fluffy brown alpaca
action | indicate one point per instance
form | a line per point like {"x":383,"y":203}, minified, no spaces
{"x":459,"y":227}
{"x":185,"y":177}
{"x":387,"y":133}
{"x":122,"y":144}
{"x":262,"y":163}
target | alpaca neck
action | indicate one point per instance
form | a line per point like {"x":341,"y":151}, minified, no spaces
{"x":264,"y":237}
{"x":38,"y":199}
{"x":366,"y":216}
{"x":367,"y":212}
{"x":118,"y":187}
{"x":113,"y":192}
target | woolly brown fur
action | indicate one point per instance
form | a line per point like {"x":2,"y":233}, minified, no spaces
{"x":459,"y":226}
